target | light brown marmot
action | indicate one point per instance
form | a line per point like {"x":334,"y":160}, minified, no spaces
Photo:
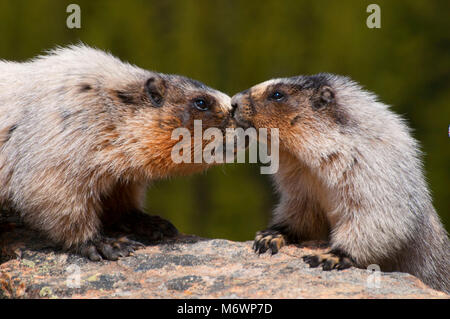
{"x":81,"y":135}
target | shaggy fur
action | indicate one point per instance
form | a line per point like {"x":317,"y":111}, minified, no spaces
{"x":81,"y":135}
{"x":350,"y":172}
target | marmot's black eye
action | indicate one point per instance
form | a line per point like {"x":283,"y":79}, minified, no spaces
{"x":276,"y":96}
{"x":156,"y":98}
{"x":201,"y":104}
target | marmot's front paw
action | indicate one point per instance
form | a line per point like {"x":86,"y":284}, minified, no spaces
{"x":268,"y":240}
{"x":333,"y":259}
{"x":147,"y":227}
{"x":109,"y":248}
{"x":152,"y":227}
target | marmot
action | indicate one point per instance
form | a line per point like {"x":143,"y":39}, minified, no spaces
{"x":82,"y":133}
{"x":350,"y":173}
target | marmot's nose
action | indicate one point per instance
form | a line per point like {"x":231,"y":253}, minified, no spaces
{"x":236,"y":101}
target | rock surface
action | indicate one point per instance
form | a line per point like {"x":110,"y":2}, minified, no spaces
{"x":188,"y":267}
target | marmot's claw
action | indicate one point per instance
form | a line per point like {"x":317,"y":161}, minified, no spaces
{"x":268,"y":240}
{"x":109,"y":248}
{"x":334,"y":259}
{"x":311,"y":260}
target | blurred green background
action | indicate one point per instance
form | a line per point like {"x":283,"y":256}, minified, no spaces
{"x":232,"y":45}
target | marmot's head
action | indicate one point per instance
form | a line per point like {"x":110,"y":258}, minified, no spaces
{"x":145,"y":110}
{"x":307,"y":110}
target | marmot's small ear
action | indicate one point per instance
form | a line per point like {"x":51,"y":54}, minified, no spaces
{"x":155,"y":88}
{"x":325,"y":97}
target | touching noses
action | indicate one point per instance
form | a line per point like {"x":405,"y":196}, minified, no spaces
{"x":235,"y":102}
